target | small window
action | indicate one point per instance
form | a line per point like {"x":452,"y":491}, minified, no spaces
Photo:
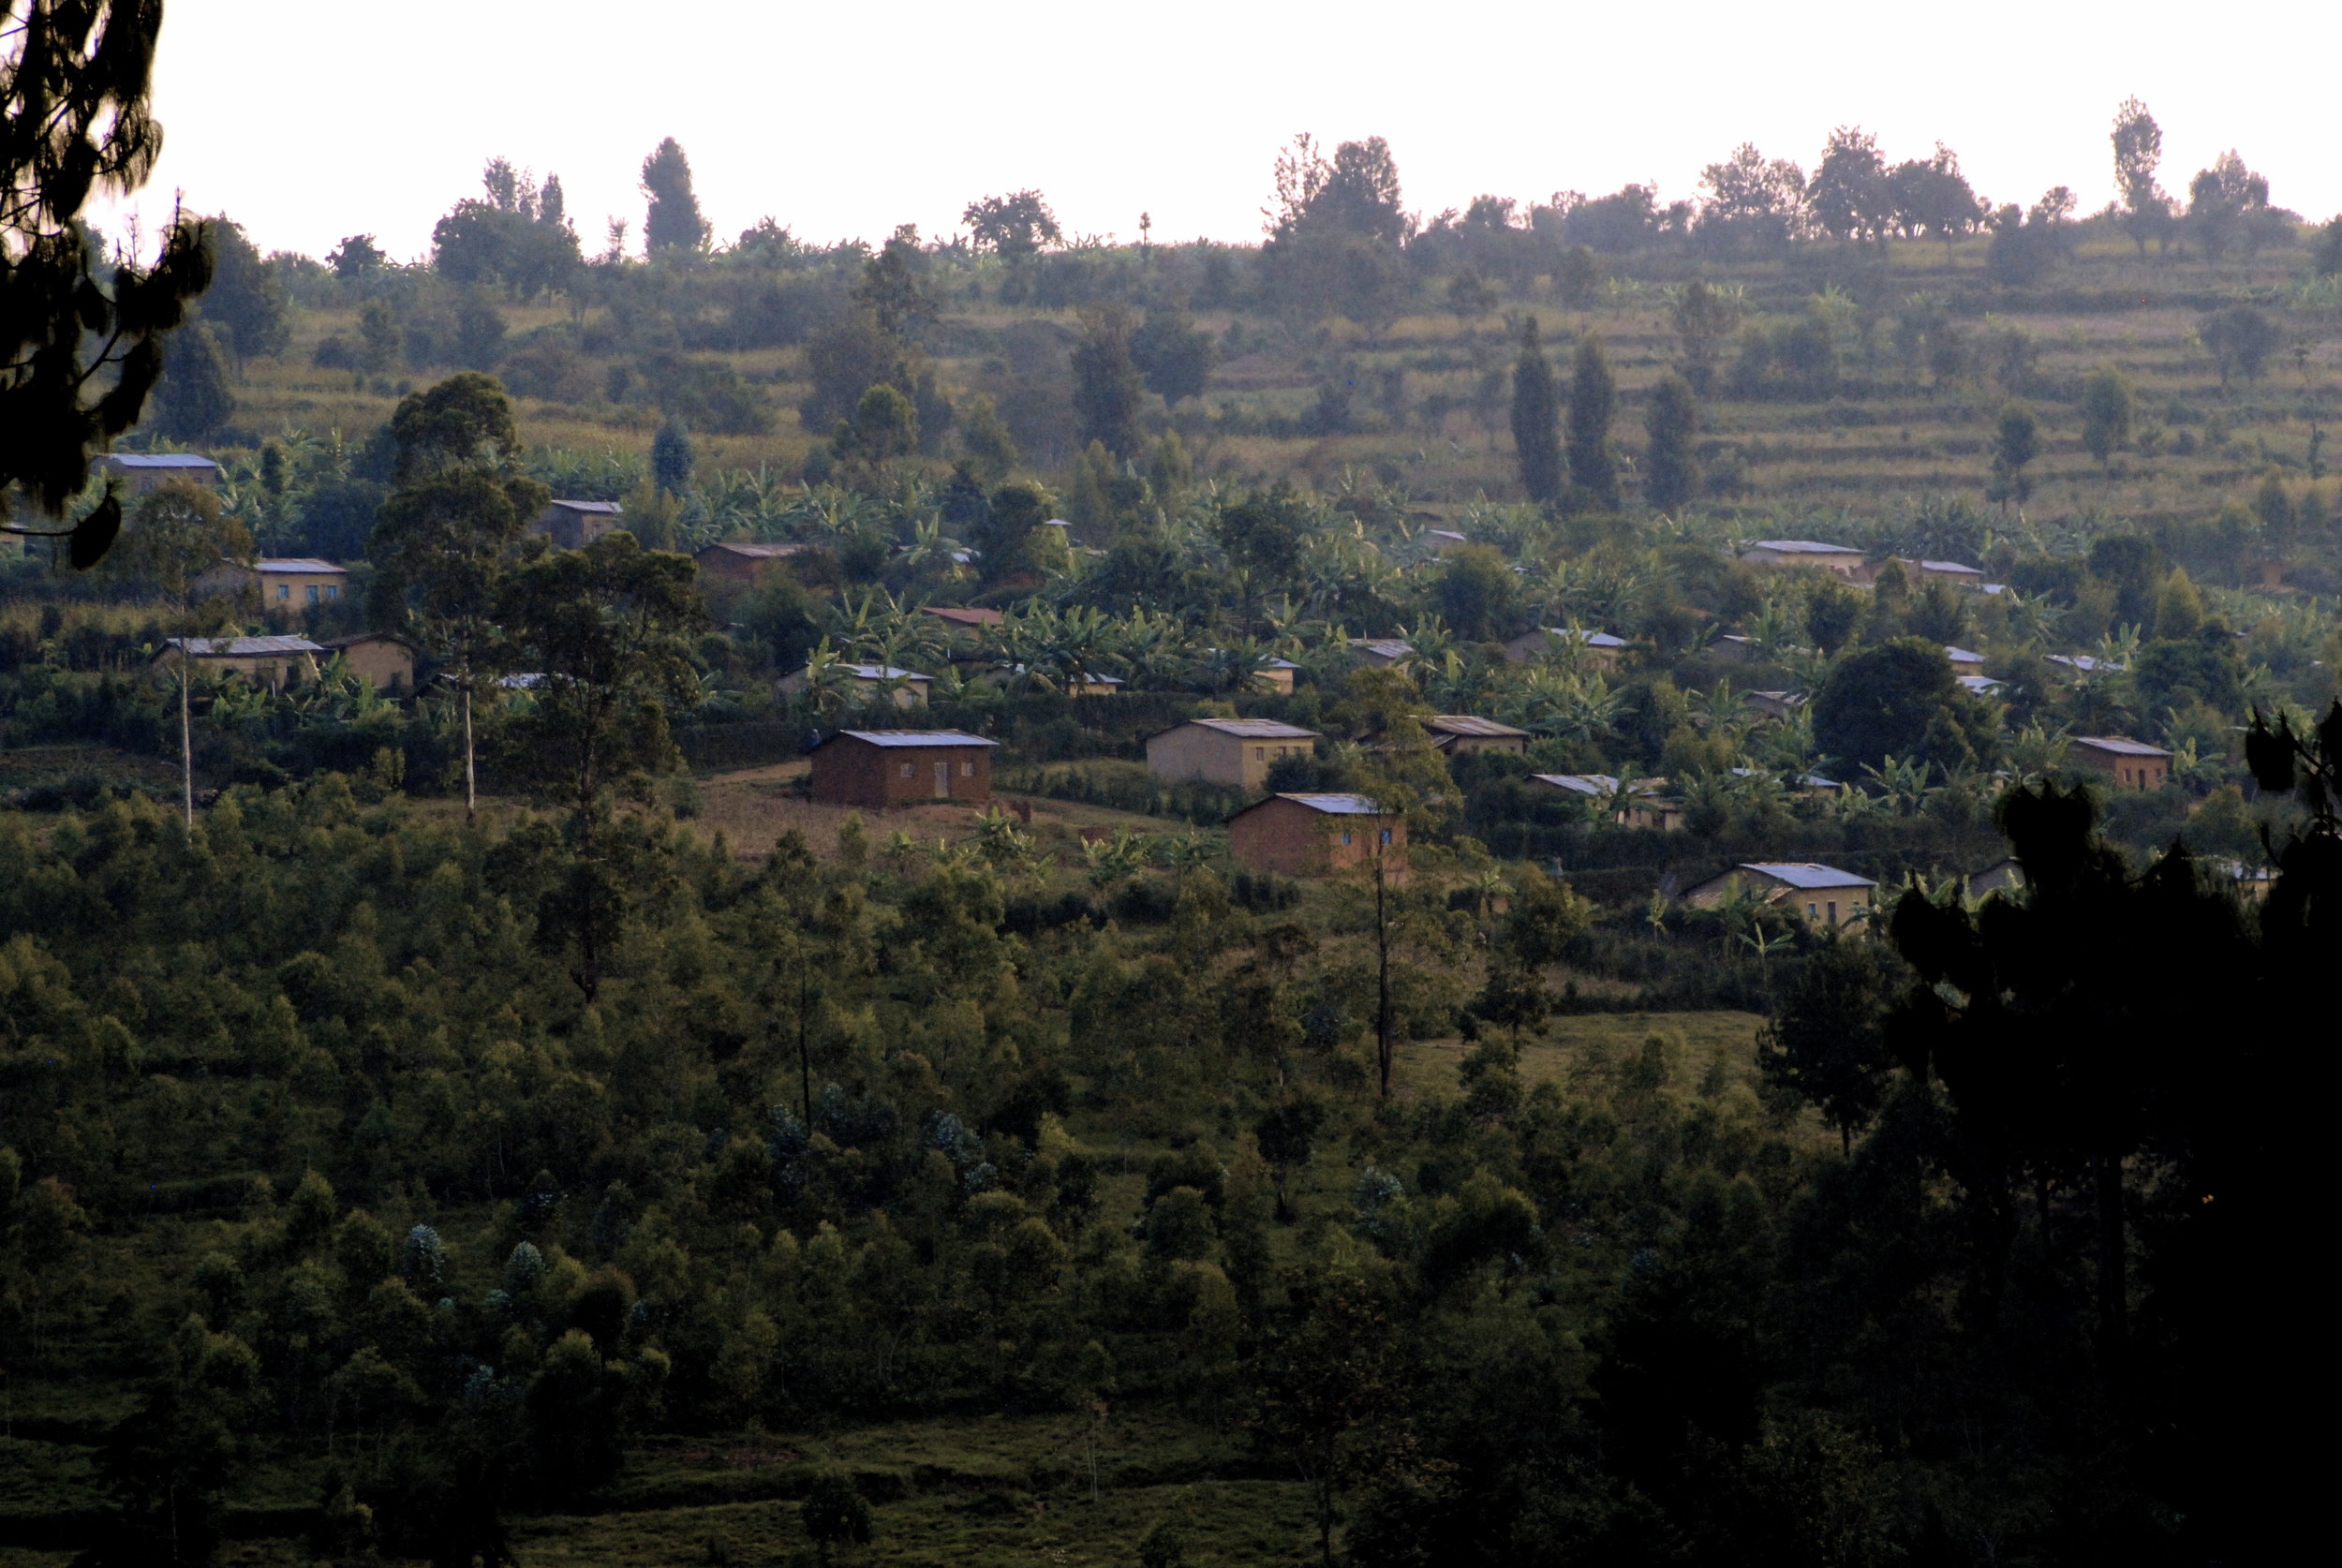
{"x":333,"y":590}
{"x":313,"y":593}
{"x":1833,"y":915}
{"x":284,"y":591}
{"x":905,"y":770}
{"x":1386,"y":836}
{"x":1260,"y":754}
{"x":1812,"y":910}
{"x":1345,"y":838}
{"x":967,"y":770}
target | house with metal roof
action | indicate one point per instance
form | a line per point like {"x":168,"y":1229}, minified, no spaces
{"x":1439,"y":541}
{"x":1838,"y":561}
{"x":966,"y":617}
{"x":740,"y":563}
{"x":1276,"y":675}
{"x":1600,"y":649}
{"x":1238,"y":752}
{"x":1317,"y":835}
{"x":1773,"y":705}
{"x":383,"y":658}
{"x":1644,"y":808}
{"x":1823,"y":894}
{"x":1456,"y":733}
{"x":1381,"y":652}
{"x":2125,"y":763}
{"x":142,"y":471}
{"x":280,"y":582}
{"x":1966,"y":661}
{"x":575,"y":524}
{"x":867,"y":684}
{"x":876,"y":769}
{"x":274,"y":662}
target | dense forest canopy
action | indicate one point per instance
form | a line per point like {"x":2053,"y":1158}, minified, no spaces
{"x":498,"y":1115}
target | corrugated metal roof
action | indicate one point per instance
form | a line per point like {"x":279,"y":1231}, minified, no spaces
{"x":357,"y":637}
{"x":1388,"y":647}
{"x":1466,"y":724}
{"x":241,"y":647}
{"x":2087,"y":664}
{"x":1802,"y":547}
{"x":1952,"y":566}
{"x":1591,"y":639}
{"x":1255,"y":728}
{"x":1983,"y":686}
{"x":1334,"y":805}
{"x":608,"y":508}
{"x":886,"y":673}
{"x":756,"y":552}
{"x":914,"y":737}
{"x":1806,"y":874}
{"x":300,"y":564}
{"x":1443,"y":533}
{"x":160,"y":460}
{"x":962,"y":614}
{"x":2121,"y":746}
{"x":1961,"y":656}
{"x":1597,"y":784}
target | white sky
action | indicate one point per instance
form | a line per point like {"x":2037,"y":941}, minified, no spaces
{"x":306,"y":120}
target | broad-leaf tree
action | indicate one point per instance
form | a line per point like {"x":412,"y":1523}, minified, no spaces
{"x":80,"y":340}
{"x":447,"y":536}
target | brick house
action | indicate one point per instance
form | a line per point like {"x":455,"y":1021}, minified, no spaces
{"x":1317,"y":835}
{"x":2127,"y":765}
{"x":282,"y":584}
{"x":875,"y":769}
{"x":274,"y":662}
{"x":575,"y":524}
{"x":382,"y":658}
{"x":743,"y":564}
{"x":1827,"y":895}
{"x":1233,"y":751}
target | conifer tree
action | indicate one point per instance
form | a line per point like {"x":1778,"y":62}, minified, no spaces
{"x":1593,"y":404}
{"x":671,"y":458}
{"x":673,"y":222}
{"x":1672,"y":462}
{"x":1536,"y":415}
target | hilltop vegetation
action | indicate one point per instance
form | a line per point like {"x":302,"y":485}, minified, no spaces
{"x":427,"y":1134}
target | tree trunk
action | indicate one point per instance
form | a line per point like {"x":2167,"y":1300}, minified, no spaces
{"x":2112,"y":1275}
{"x":186,"y":737}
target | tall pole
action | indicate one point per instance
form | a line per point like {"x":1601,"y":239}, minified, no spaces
{"x":1382,"y":969}
{"x":187,"y":733}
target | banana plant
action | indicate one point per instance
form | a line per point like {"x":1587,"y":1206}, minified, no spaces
{"x":1115,"y":858}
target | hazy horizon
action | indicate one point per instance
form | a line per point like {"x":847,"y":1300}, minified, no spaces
{"x":840,"y":130}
